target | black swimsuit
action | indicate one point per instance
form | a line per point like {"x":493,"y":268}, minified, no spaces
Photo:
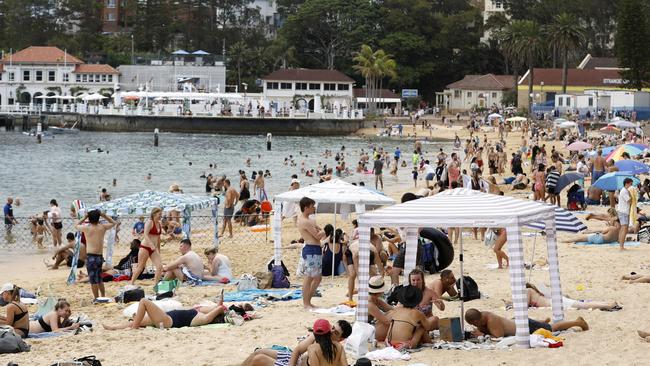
{"x":182,"y":318}
{"x":46,"y":327}
{"x":18,"y":317}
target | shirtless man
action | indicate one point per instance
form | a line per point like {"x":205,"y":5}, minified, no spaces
{"x":446,"y":284}
{"x":497,"y":326}
{"x":218,"y":268}
{"x":312,"y":253}
{"x":258,"y":185}
{"x":407,"y":324}
{"x":189,"y":260}
{"x":232,"y":196}
{"x":608,"y":235}
{"x":66,"y":252}
{"x":599,"y":167}
{"x":416,"y":279}
{"x":94,"y":233}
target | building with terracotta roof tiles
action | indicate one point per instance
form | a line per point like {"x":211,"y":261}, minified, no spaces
{"x":475,"y":91}
{"x":314,"y":90}
{"x":36,"y":72}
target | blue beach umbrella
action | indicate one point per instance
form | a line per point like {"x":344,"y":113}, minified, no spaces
{"x":566,"y":179}
{"x":632,"y":166}
{"x":614,"y":181}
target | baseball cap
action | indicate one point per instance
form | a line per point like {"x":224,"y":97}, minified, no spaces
{"x":322,"y":326}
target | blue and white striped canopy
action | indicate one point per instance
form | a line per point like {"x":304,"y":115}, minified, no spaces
{"x":564,"y":221}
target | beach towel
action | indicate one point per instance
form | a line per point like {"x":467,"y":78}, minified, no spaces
{"x":340,"y":310}
{"x":633,"y":201}
{"x":613,"y":244}
{"x":48,"y":335}
{"x":215,"y":283}
{"x":387,"y":354}
{"x":253,"y":294}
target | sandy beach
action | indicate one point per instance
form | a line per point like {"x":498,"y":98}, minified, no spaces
{"x":590,"y":273}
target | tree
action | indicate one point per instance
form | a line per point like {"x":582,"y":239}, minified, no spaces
{"x":374,"y":66}
{"x":632,"y":39}
{"x":530,"y":43}
{"x":565,"y":34}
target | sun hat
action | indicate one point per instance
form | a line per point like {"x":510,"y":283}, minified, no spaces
{"x":322,"y":326}
{"x":7,"y":287}
{"x":294,"y":180}
{"x":376,"y":285}
{"x":410,"y":296}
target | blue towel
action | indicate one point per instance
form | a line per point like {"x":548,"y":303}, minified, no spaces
{"x":47,"y":334}
{"x":614,"y":244}
{"x":251,"y":295}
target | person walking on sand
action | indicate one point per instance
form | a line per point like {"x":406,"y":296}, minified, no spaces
{"x":312,"y":253}
{"x":94,"y":233}
{"x":150,"y":246}
{"x":229,"y":206}
{"x":626,"y":196}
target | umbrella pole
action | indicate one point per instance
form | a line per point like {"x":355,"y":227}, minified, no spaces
{"x":333,"y":241}
{"x":462,"y":287}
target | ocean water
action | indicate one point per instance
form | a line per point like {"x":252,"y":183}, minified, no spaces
{"x":60,"y":167}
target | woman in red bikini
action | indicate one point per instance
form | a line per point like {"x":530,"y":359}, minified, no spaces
{"x":150,"y":247}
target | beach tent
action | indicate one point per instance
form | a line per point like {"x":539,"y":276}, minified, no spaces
{"x":462,"y":207}
{"x":333,"y":196}
{"x":143,"y":202}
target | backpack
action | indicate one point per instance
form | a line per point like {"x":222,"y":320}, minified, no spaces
{"x":280,"y":279}
{"x":470,"y":289}
{"x":130,"y":295}
{"x":428,"y":257}
{"x":272,"y":264}
{"x":10,"y":342}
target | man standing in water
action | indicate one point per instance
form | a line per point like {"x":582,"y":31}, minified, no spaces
{"x":377,"y":169}
{"x":94,"y":233}
{"x":312,"y":255}
{"x":232,"y":196}
{"x":10,"y":221}
{"x":258,"y":184}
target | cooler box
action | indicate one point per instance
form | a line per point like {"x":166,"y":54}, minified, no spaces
{"x":450,"y":329}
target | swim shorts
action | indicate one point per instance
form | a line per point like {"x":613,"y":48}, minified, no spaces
{"x":596,"y":238}
{"x":624,"y":219}
{"x":533,"y":325}
{"x":228,"y":212}
{"x":94,"y":267}
{"x":57,"y":225}
{"x":312,"y":261}
{"x":282,"y":358}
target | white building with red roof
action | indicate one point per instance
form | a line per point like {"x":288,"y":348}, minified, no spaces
{"x":36,"y":72}
{"x":475,"y":91}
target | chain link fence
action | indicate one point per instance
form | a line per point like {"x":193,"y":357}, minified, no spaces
{"x":30,"y":234}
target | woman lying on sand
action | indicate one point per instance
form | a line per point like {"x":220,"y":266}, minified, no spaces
{"x":636,"y":278}
{"x":536,"y":299}
{"x":57,"y":320}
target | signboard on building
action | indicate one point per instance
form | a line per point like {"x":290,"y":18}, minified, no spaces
{"x":409,"y":93}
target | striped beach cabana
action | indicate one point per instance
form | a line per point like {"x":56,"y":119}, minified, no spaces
{"x":463,"y":207}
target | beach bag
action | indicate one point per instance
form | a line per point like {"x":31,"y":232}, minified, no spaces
{"x":470,"y":289}
{"x":357,"y":342}
{"x":247,"y":282}
{"x":490,"y":238}
{"x":11,"y":342}
{"x":264,"y":279}
{"x":130,"y":295}
{"x":644,"y":235}
{"x":272,"y":264}
{"x":166,"y":286}
{"x":280,"y":279}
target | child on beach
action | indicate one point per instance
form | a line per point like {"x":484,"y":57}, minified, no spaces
{"x":415,"y":177}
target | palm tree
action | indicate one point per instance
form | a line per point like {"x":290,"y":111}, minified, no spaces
{"x":565,"y":34}
{"x":237,"y":53}
{"x":530,"y":43}
{"x":366,"y":65}
{"x":507,"y":38}
{"x":386,"y":68}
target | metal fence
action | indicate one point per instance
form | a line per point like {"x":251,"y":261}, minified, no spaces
{"x":25,"y":235}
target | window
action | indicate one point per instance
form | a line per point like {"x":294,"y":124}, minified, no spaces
{"x":344,"y":86}
{"x":51,"y":76}
{"x":110,"y":3}
{"x":498,"y":4}
{"x":568,"y":101}
{"x":98,"y":78}
{"x":78,"y":78}
{"x":103,"y":78}
{"x":456,"y":93}
{"x":301,"y":86}
{"x":84,"y":78}
{"x":26,"y":74}
{"x":285,"y":86}
{"x":590,"y":101}
{"x":560,"y":101}
{"x":270,"y":85}
{"x":494,"y":95}
{"x":39,"y":75}
{"x":12,"y":76}
{"x":469,"y":94}
{"x":313,"y":86}
{"x":66,"y":77}
{"x":110,"y":78}
{"x":329,"y":86}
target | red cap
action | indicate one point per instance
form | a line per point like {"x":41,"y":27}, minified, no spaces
{"x":322,"y":326}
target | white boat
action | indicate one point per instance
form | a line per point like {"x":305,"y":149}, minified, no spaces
{"x":63,"y":130}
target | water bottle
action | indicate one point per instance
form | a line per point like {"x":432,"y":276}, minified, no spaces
{"x":161,"y":326}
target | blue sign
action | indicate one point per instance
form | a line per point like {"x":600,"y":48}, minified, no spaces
{"x":409,"y":93}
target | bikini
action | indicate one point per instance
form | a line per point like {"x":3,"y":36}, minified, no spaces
{"x":18,"y":317}
{"x":401,"y":344}
{"x":155,"y":232}
{"x":182,"y":318}
{"x":46,"y":327}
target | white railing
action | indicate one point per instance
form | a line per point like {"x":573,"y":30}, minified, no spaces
{"x":20,"y":109}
